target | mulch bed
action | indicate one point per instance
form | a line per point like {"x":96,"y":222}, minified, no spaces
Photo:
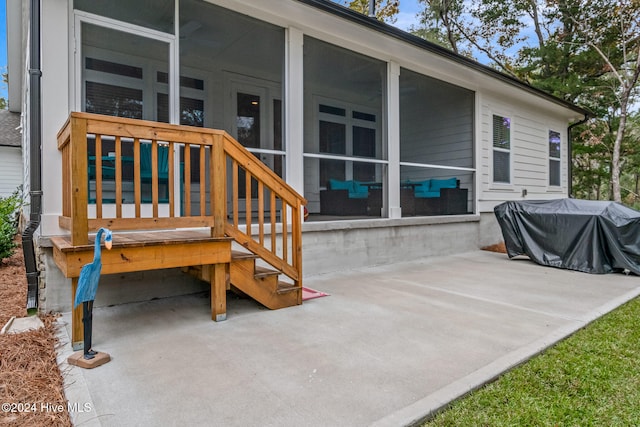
{"x":498,"y":247}
{"x":31,"y":385}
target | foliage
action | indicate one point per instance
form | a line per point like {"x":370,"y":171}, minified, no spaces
{"x":592,"y":378}
{"x":447,"y":13}
{"x":386,"y":10}
{"x":584,"y":53}
{"x":9,"y":210}
{"x":3,"y":101}
{"x":491,"y":28}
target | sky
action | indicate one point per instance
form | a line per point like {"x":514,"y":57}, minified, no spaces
{"x":407,"y":16}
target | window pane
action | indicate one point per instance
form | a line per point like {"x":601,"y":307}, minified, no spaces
{"x":501,"y":167}
{"x":113,"y":68}
{"x":554,"y":172}
{"x":277,"y":124}
{"x":554,"y":144}
{"x":364,"y":116}
{"x":501,"y":132}
{"x":113,"y":100}
{"x":248,"y":120}
{"x":191,"y":110}
{"x":364,"y":142}
{"x":332,"y":138}
{"x":332,"y":110}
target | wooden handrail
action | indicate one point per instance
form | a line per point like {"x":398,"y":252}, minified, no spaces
{"x":286,"y":255}
{"x":276,"y":203}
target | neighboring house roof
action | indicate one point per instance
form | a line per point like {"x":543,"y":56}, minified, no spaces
{"x":10,"y":129}
{"x":346,"y":13}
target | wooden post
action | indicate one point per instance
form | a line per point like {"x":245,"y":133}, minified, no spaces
{"x":79,"y":184}
{"x":77,"y":327}
{"x":218,"y":274}
{"x":218,"y":186}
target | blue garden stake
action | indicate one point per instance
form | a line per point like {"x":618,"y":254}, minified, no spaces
{"x":87,"y":288}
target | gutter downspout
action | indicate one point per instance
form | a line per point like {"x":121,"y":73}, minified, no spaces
{"x":35,"y":158}
{"x":570,"y":153}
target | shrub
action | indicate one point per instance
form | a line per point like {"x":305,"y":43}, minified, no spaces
{"x":9,"y":211}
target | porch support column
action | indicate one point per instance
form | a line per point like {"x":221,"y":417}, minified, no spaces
{"x":218,"y":277}
{"x":294,"y":108}
{"x":393,"y":139}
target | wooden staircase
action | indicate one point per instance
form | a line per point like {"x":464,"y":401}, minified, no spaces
{"x":264,"y":219}
{"x":246,"y":277}
{"x":263,"y":284}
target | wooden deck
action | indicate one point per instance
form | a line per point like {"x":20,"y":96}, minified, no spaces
{"x":139,"y":251}
{"x":149,"y":251}
{"x":159,"y":232}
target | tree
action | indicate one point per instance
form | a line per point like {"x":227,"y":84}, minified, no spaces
{"x":439,"y":22}
{"x":385,"y":10}
{"x":630,"y":182}
{"x":491,"y":28}
{"x":612,"y":29}
{"x":3,"y":101}
{"x":587,"y":53}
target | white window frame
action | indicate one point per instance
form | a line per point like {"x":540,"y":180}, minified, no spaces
{"x":349,"y":123}
{"x":556,"y":159}
{"x":510,"y":151}
{"x":170,"y":39}
{"x":267,"y":90}
{"x":199,"y":94}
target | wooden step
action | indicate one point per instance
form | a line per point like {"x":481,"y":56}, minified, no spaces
{"x":285,"y":287}
{"x":263,"y":272}
{"x":261,"y":283}
{"x":239,"y":255}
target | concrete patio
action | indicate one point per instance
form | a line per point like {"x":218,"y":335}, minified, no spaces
{"x":389,"y":345}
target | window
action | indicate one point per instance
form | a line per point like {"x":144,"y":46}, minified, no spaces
{"x":501,"y":149}
{"x":554,"y":158}
{"x":113,"y":99}
{"x":346,"y":132}
{"x":191,"y":107}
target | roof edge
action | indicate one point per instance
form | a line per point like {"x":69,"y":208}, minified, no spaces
{"x":361,"y":19}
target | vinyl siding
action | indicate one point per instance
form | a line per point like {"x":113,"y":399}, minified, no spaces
{"x":10,"y":170}
{"x":529,"y":154}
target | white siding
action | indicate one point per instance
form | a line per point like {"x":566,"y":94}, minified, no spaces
{"x":529,"y":154}
{"x":10,"y":170}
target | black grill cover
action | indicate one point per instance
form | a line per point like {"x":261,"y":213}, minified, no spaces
{"x":584,"y":235}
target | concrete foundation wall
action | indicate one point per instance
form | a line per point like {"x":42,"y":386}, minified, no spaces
{"x":327,"y":247}
{"x":490,"y":232}
{"x":339,"y":246}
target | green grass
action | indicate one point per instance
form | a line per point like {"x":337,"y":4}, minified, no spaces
{"x":590,"y":379}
